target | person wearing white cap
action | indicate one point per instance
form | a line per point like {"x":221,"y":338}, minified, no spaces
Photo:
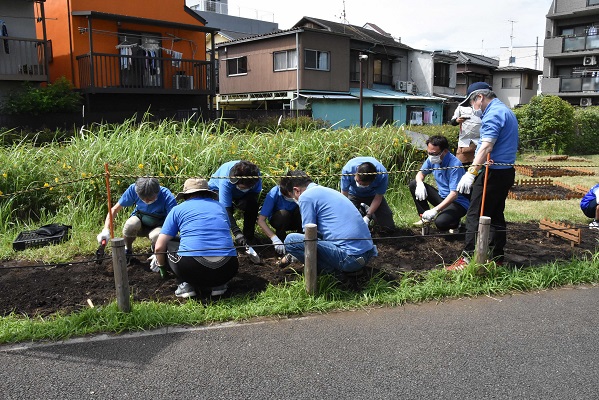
{"x":499,"y":139}
{"x":204,"y":255}
{"x":469,"y":122}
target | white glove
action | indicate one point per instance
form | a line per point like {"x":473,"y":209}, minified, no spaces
{"x":366,"y":219}
{"x":429,"y":215}
{"x":465,"y":184}
{"x":153,"y":263}
{"x":420,"y":191}
{"x":279,"y":246}
{"x":104,"y":235}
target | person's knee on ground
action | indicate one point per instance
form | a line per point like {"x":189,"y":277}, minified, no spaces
{"x":294,"y":245}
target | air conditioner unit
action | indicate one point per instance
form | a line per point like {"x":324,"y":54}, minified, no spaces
{"x":183,"y":82}
{"x":586,"y":101}
{"x":589,"y":60}
{"x":401,"y":86}
{"x":410,"y":87}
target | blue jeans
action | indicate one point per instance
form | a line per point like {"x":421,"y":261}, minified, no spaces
{"x":330,"y":258}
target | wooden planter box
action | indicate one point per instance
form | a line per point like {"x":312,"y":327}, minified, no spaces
{"x":553,"y":171}
{"x":572,"y":193}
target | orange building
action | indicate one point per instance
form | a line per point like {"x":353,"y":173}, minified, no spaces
{"x":131,"y":55}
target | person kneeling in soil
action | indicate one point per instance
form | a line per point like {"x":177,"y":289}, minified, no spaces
{"x":588,"y":205}
{"x":152,"y":203}
{"x":204,"y":255}
{"x":449,"y":206}
{"x":283,"y":214}
{"x":364,"y":180}
{"x":344,"y":242}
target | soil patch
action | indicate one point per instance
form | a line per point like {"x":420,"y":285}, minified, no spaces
{"x":43,"y":291}
{"x":541,"y":192}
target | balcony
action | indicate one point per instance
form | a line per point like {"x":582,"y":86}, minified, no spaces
{"x":572,"y":85}
{"x":114,"y":73}
{"x":22,"y":59}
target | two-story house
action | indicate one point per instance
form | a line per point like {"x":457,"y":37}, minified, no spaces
{"x":132,"y":56}
{"x":571,"y":52}
{"x":345,"y":74}
{"x":23,"y":57}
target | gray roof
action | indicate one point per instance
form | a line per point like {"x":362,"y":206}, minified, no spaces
{"x":478,"y":59}
{"x":513,"y":68}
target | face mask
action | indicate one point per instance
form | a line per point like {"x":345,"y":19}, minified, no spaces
{"x":360,"y":186}
{"x":290,"y":199}
{"x":243,"y":190}
{"x":434,"y":159}
{"x":150,"y":202}
{"x":478,"y":113}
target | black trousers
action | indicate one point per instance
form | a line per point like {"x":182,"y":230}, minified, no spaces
{"x":284,"y":220}
{"x":499,"y":183}
{"x":249,"y":205}
{"x":383,"y":215}
{"x":447,"y":219}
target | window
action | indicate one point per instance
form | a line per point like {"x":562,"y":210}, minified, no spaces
{"x":593,"y":2}
{"x":284,"y":60}
{"x":237,"y":66}
{"x":510,"y":83}
{"x":315,"y":59}
{"x":441,"y":74}
{"x":528,"y":79}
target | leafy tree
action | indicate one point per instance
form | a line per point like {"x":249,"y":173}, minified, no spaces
{"x":546,"y":123}
{"x":586,"y":135}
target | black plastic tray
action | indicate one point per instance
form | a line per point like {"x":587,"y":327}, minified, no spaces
{"x":28,"y":239}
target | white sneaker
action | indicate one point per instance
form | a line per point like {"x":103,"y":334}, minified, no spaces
{"x":185,"y":290}
{"x":219,"y":290}
{"x":594,"y":225}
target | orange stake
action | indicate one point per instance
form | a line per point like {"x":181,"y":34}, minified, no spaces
{"x":110,"y":221}
{"x":482,"y":205}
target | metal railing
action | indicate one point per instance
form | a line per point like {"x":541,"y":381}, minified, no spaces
{"x":22,"y":59}
{"x":144,"y":74}
{"x":580,"y":43}
{"x":580,"y":84}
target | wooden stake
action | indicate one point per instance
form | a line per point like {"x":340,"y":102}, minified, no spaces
{"x":108,"y":195}
{"x":121,"y":279}
{"x":482,"y":240}
{"x":310,"y":262}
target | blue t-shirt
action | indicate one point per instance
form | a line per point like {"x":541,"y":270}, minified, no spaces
{"x":348,"y":182}
{"x":500,"y":127}
{"x":591,"y":195}
{"x":203,"y":225}
{"x":336,"y":218}
{"x":274,"y":201}
{"x":226,"y":190}
{"x":163,"y":204}
{"x":447,"y":179}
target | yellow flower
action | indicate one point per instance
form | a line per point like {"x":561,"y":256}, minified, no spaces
{"x":176,"y":168}
{"x":160,"y":174}
{"x":56,"y":180}
{"x":46,"y":184}
{"x":1,"y":193}
{"x":83,"y":174}
{"x":4,"y":175}
{"x":118,"y":182}
{"x":69,"y":197}
{"x":140,"y":166}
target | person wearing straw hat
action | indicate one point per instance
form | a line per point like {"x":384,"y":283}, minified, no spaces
{"x":344,"y":241}
{"x":498,"y":140}
{"x":203,"y":256}
{"x":449,"y":206}
{"x":364,"y":181}
{"x":152,"y":203}
{"x":238,"y":184}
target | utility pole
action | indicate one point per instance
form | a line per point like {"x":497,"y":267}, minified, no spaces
{"x":511,"y":42}
{"x":537,"y":54}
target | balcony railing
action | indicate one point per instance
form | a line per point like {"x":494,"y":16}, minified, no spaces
{"x":22,"y":59}
{"x":579,"y":84}
{"x":135,"y":74}
{"x":580,"y":43}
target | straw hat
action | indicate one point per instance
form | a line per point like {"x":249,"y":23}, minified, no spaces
{"x":193,"y":185}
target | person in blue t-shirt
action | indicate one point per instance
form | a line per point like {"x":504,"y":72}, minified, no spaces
{"x":238,"y":185}
{"x":365,"y":180}
{"x":499,"y":139}
{"x":449,"y":206}
{"x":204,"y":255}
{"x":152,"y":203}
{"x":344,"y":241}
{"x":588,"y":205}
{"x":282,"y":214}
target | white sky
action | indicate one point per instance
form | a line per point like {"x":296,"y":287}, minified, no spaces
{"x":480,"y":26}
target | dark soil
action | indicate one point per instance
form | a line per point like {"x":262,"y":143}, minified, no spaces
{"x":557,"y":192}
{"x":43,"y":291}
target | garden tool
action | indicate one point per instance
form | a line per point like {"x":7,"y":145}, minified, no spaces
{"x":100,"y":252}
{"x":426,"y":225}
{"x":254,"y":257}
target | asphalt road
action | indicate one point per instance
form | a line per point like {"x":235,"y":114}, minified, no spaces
{"x":541,"y":345}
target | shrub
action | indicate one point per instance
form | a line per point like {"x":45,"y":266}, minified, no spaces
{"x":546,"y":123}
{"x":586,"y":135}
{"x":56,"y":97}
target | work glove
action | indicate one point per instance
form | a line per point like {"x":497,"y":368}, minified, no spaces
{"x":153,"y":263}
{"x":104,"y":235}
{"x":240,"y":240}
{"x":364,"y":209}
{"x":366,"y":219}
{"x":429,"y":215}
{"x":420,"y":191}
{"x":465,"y":184}
{"x":279,"y":246}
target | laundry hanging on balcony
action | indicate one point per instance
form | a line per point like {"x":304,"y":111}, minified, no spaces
{"x":4,"y":32}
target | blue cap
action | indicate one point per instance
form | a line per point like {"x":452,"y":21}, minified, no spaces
{"x":475,"y":87}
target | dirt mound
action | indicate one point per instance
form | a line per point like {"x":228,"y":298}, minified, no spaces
{"x":43,"y":291}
